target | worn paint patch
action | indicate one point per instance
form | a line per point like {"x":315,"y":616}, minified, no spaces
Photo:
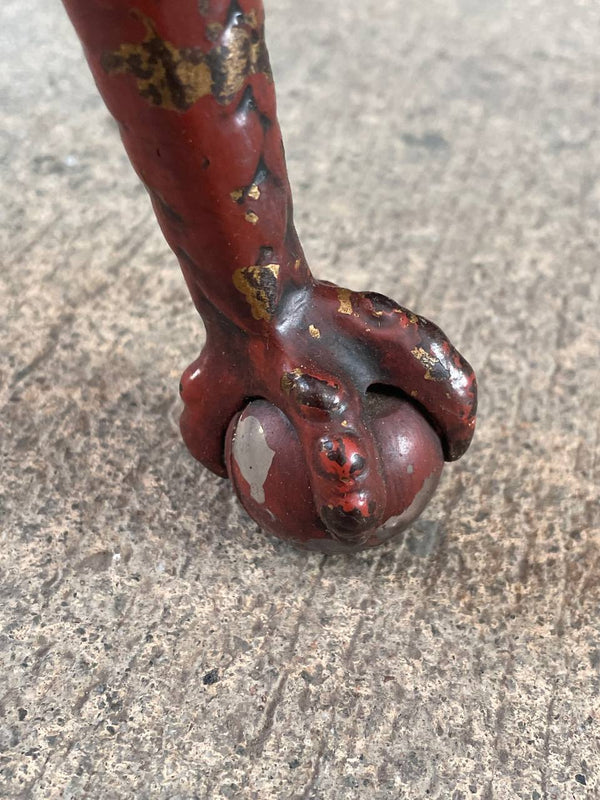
{"x":239,"y":195}
{"x":166,"y":76}
{"x":251,"y":217}
{"x":345,"y":306}
{"x":435,"y":370}
{"x":420,"y":500}
{"x":314,"y":332}
{"x":252,"y":455}
{"x":175,"y":78}
{"x":408,"y":318}
{"x":258,"y":284}
{"x":288,"y":379}
{"x":310,"y":392}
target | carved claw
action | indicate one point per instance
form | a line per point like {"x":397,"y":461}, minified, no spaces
{"x":416,"y":357}
{"x":327,"y":353}
{"x":339,"y":451}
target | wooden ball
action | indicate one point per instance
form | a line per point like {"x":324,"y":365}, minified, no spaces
{"x":267,"y":468}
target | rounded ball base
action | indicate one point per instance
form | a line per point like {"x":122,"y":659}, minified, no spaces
{"x":266,"y":466}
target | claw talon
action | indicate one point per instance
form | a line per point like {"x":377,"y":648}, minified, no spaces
{"x":348,"y":523}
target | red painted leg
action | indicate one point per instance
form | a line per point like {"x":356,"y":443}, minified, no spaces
{"x":360,"y":400}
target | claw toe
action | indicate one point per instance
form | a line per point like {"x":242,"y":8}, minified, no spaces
{"x":351,"y":521}
{"x":341,"y":457}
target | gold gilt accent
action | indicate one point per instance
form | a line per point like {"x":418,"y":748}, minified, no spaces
{"x":288,"y":380}
{"x":259,"y":287}
{"x":253,"y":192}
{"x":297,"y":263}
{"x":251,"y":217}
{"x":175,"y":78}
{"x":412,"y":318}
{"x":428,"y":361}
{"x":243,"y":54}
{"x":314,"y":332}
{"x":345,"y":302}
{"x":165,"y":75}
{"x":214,"y":30}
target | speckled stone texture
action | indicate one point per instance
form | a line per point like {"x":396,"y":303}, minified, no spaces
{"x":154,"y":643}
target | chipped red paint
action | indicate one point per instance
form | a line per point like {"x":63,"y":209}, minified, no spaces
{"x":191,"y":88}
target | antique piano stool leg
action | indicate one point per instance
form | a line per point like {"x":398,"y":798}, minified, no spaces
{"x":331,"y":411}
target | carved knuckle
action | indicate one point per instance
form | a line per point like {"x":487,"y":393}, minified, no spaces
{"x":341,"y":457}
{"x":313,"y":397}
{"x":377,"y":307}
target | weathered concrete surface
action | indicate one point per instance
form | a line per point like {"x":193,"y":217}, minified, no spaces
{"x":153,"y":643}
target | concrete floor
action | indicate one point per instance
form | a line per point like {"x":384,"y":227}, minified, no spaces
{"x":153,"y":643}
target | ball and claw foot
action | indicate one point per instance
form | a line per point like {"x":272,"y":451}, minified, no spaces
{"x":334,"y":422}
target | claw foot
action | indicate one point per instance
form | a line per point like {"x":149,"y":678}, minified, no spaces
{"x":334,"y":424}
{"x":266,"y":464}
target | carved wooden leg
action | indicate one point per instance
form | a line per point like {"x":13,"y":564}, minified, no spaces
{"x":332,"y":411}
